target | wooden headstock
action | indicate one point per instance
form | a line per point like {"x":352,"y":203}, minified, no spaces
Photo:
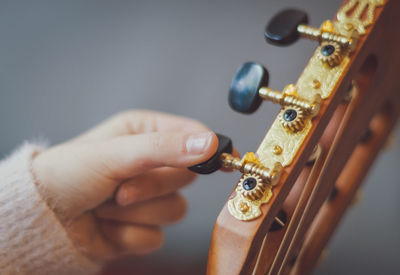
{"x":316,"y":153}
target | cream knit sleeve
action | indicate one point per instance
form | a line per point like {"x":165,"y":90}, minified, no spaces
{"x":32,"y":240}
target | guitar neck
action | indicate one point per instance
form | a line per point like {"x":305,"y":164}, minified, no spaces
{"x":323,"y":190}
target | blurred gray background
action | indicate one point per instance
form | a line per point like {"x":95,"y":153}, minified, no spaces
{"x":67,"y":65}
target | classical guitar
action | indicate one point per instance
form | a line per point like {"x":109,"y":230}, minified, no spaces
{"x":333,"y":122}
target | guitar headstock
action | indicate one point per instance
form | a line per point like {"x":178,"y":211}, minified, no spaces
{"x":293,"y":180}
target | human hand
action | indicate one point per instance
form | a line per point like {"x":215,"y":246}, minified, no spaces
{"x":114,"y":186}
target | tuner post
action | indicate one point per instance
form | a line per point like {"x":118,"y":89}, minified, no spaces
{"x":326,"y":33}
{"x":289,"y":98}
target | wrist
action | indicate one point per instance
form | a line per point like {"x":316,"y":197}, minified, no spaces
{"x":44,"y":184}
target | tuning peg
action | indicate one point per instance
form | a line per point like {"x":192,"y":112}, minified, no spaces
{"x":248,"y":90}
{"x":243,"y":93}
{"x":214,"y":163}
{"x":288,"y":26}
{"x":282,"y":28}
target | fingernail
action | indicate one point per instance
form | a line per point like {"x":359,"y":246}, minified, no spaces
{"x":197,"y":143}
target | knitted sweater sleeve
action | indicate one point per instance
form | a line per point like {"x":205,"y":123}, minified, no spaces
{"x":32,"y":240}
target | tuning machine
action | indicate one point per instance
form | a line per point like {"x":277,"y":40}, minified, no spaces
{"x":249,"y":164}
{"x":249,"y":89}
{"x":289,"y":25}
{"x":254,"y":187}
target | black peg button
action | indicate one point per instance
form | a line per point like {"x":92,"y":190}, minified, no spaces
{"x":282,"y":28}
{"x":243,"y":93}
{"x":214,"y":163}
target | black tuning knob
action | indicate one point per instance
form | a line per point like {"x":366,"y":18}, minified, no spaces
{"x":282,"y":29}
{"x":243,"y":93}
{"x":214,"y":163}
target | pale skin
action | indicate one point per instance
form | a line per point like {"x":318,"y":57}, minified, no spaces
{"x":116,"y":185}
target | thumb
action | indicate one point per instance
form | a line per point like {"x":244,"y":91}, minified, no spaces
{"x":127,"y":156}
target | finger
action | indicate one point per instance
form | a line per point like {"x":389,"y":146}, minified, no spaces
{"x":133,"y":239}
{"x":155,"y":183}
{"x":96,"y":246}
{"x":139,"y":122}
{"x":127,"y":156}
{"x":159,"y":211}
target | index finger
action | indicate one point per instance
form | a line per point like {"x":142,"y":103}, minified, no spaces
{"x":155,"y":183}
{"x":139,"y":122}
